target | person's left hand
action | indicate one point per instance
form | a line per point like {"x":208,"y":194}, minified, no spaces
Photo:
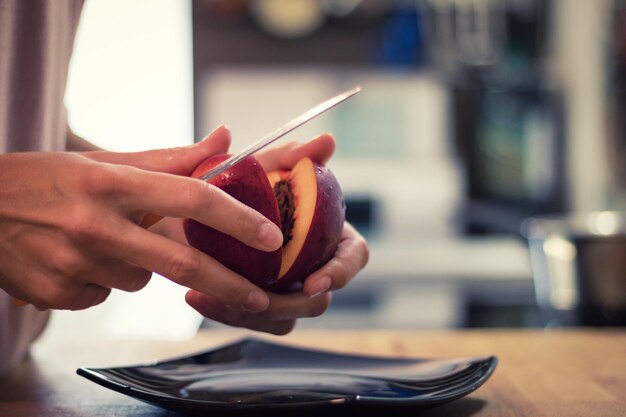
{"x":315,"y":298}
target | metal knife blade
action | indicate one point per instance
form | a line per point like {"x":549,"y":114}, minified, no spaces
{"x":279,"y":133}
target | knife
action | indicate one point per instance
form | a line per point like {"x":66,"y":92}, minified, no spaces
{"x":150,"y":218}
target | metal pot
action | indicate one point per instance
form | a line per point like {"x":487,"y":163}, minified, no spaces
{"x":579,"y":268}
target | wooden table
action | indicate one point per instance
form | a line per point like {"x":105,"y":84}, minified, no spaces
{"x":541,"y":373}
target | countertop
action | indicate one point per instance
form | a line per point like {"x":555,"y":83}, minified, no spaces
{"x":540,"y":372}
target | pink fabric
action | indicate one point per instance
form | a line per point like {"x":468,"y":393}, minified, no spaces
{"x":36,"y":41}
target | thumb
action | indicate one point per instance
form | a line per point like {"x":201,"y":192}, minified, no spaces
{"x":178,"y":161}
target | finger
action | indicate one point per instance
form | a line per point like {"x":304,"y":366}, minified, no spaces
{"x":213,"y":309}
{"x":284,"y":307}
{"x":71,"y":297}
{"x":118,"y":274}
{"x":50,"y":282}
{"x":174,"y":196}
{"x":351,"y":256}
{"x":91,"y":295}
{"x":189,"y":268}
{"x":295,"y":306}
{"x":178,"y":161}
{"x":286,"y":156}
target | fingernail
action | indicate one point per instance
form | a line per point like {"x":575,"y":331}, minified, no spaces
{"x":270,"y":236}
{"x":320,"y":286}
{"x":223,"y":128}
{"x":257,"y":301}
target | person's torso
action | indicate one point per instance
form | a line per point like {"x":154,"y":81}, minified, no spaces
{"x":36,"y":41}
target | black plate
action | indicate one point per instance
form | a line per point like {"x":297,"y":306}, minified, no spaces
{"x":252,"y":375}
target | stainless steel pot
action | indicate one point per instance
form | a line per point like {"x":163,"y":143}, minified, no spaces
{"x":579,"y":268}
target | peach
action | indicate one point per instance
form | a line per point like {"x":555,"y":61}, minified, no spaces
{"x":305,"y":202}
{"x":247,"y":183}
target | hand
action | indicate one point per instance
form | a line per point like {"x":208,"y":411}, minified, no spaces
{"x":284,"y":310}
{"x":69,"y":226}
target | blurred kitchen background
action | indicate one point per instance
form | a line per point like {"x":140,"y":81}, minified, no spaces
{"x":474,"y":116}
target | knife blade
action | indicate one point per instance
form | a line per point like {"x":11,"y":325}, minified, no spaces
{"x":150,"y":218}
{"x":279,"y":133}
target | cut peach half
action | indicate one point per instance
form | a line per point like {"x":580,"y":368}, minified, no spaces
{"x":312,"y":212}
{"x":305,"y":202}
{"x":248,"y":183}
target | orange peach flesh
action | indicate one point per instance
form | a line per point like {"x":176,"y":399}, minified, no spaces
{"x":303,"y":184}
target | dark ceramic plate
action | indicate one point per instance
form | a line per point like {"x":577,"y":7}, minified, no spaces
{"x":254,"y":375}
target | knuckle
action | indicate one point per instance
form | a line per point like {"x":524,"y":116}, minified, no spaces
{"x":139,"y":281}
{"x":96,"y":180}
{"x":65,"y":263}
{"x":283,"y":328}
{"x":235,"y":296}
{"x":57,"y":296}
{"x":209,"y":311}
{"x":285,"y":157}
{"x":364,"y":249}
{"x":82,"y":226}
{"x":105,"y":180}
{"x":248,"y":221}
{"x":184,"y":267}
{"x":342,"y":269}
{"x":291,"y":144}
{"x":199,"y":195}
{"x":98,"y":296}
{"x":60,"y":295}
{"x":320,"y":306}
{"x":87,"y":296}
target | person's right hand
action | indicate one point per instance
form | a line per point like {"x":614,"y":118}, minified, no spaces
{"x":69,"y":226}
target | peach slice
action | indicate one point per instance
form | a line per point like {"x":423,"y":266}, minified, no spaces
{"x":312,"y":225}
{"x":305,"y":202}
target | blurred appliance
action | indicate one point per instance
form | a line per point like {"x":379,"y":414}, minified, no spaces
{"x":617,"y":95}
{"x":463,"y":32}
{"x":579,"y":268}
{"x":507,"y":114}
{"x":512,"y":140}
